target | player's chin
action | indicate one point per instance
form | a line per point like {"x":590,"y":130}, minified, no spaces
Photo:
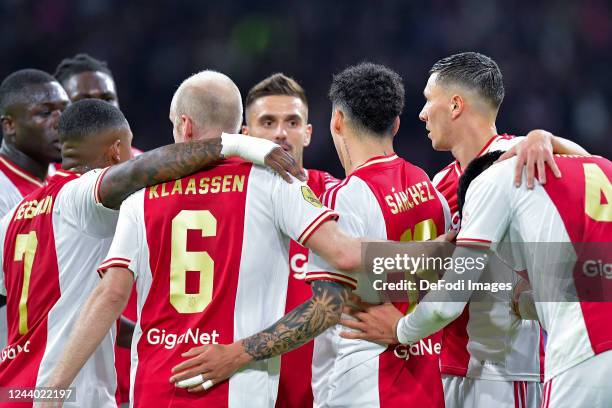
{"x":438,"y":146}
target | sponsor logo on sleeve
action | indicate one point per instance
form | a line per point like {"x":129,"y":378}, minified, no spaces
{"x":311,"y":197}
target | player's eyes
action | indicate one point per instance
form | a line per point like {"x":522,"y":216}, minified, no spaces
{"x":293,"y":123}
{"x":267,"y":123}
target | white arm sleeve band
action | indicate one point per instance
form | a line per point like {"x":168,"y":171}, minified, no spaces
{"x":249,"y":148}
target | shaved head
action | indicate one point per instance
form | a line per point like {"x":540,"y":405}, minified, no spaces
{"x":211,"y":100}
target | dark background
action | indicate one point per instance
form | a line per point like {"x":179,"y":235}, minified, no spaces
{"x":556,"y":56}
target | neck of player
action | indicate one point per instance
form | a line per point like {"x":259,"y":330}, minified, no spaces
{"x":470,"y":139}
{"x":24,"y":161}
{"x":360,"y":149}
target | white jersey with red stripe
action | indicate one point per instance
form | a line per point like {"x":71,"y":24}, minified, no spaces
{"x":52,"y":243}
{"x":575,"y":209}
{"x":488,"y":340}
{"x":210,"y":255}
{"x":15,"y":183}
{"x":294,"y":387}
{"x":385,"y":198}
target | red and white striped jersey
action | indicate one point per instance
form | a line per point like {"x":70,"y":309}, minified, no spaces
{"x":209,"y":253}
{"x":52,"y":243}
{"x":294,"y":387}
{"x":488,"y":340}
{"x":15,"y":183}
{"x":575,"y":209}
{"x":384,"y":198}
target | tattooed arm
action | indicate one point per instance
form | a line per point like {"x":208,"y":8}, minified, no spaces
{"x":302,"y":324}
{"x":181,"y":159}
{"x":159,"y":165}
{"x":296,"y":328}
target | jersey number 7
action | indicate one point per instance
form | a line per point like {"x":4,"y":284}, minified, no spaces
{"x":25,"y":248}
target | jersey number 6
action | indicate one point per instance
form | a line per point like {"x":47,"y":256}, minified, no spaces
{"x":182,"y":261}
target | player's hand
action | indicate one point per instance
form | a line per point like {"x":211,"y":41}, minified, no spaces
{"x":534,"y":152}
{"x":522,"y":302}
{"x":449,"y":236}
{"x":283,"y":163}
{"x":376,"y":323}
{"x":208,"y":366}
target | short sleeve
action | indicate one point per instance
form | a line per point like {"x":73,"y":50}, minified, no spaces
{"x":357,"y":208}
{"x":80,"y":205}
{"x":488,"y":208}
{"x":128,"y":240}
{"x":318,"y":269}
{"x":297,"y":210}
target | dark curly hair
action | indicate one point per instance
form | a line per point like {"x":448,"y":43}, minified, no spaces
{"x":371,"y":94}
{"x":80,"y":63}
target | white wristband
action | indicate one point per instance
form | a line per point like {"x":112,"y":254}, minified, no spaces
{"x":249,"y":148}
{"x":399,"y":332}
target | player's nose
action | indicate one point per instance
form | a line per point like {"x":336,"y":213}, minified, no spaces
{"x":423,"y":115}
{"x":281,"y":133}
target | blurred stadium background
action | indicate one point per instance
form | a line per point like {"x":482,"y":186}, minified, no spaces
{"x":556,"y":56}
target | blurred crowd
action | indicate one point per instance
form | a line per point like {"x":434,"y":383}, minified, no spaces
{"x":555,"y":56}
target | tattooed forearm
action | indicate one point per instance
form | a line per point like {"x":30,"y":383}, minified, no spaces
{"x":163,"y":164}
{"x":302,"y":324}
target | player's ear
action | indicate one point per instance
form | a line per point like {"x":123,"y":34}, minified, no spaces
{"x":307,"y":135}
{"x":187,"y":125}
{"x":456,"y":106}
{"x":114,"y":152}
{"x":8,"y":126}
{"x":244,"y":130}
{"x":396,"y":126}
{"x":337,"y":122}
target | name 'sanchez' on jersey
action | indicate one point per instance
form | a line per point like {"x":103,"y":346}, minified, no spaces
{"x":405,"y":200}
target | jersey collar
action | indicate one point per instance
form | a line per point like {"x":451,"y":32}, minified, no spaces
{"x":482,"y":151}
{"x":377,"y":160}
{"x":19,"y":172}
{"x":66,"y":173}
